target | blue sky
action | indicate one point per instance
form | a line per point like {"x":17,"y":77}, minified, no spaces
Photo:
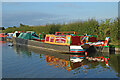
{"x":41,"y":13}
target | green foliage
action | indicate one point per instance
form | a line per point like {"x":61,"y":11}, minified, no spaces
{"x":103,"y":29}
{"x":117,"y":46}
{"x":2,"y":28}
{"x":54,"y":28}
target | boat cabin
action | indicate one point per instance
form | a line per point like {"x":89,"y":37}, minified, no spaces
{"x":10,"y":35}
{"x":31,"y":35}
{"x":17,"y":33}
{"x":69,"y":38}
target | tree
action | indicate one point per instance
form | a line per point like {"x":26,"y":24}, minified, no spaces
{"x":54,"y":28}
{"x":2,"y":28}
{"x":14,"y":26}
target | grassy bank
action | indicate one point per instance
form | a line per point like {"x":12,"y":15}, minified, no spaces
{"x":0,"y":31}
{"x":116,"y":46}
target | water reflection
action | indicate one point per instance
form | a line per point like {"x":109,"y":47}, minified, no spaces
{"x":60,"y":63}
{"x":22,"y":50}
{"x":74,"y":62}
{"x":2,"y":42}
{"x":115,"y":63}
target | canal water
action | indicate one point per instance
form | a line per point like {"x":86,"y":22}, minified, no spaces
{"x":24,"y":62}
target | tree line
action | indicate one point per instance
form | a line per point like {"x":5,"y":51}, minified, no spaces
{"x":108,"y":27}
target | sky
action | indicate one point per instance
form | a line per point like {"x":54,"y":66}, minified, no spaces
{"x":41,"y":13}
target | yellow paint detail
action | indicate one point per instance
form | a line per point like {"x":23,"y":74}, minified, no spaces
{"x":87,"y":39}
{"x":55,"y":39}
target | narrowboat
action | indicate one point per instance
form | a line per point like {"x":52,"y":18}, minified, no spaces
{"x":70,"y":39}
{"x":2,"y":38}
{"x":9,"y":35}
{"x":77,"y":43}
{"x":68,"y":42}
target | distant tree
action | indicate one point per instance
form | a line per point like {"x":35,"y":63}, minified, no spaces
{"x":54,"y":28}
{"x":2,"y":28}
{"x":21,"y":25}
{"x":14,"y":26}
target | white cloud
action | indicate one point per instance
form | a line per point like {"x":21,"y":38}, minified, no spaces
{"x":52,"y":18}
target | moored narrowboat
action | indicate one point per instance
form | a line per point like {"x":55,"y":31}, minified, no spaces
{"x":77,"y":43}
{"x":2,"y":38}
{"x":69,"y":42}
{"x":70,"y":39}
{"x":9,"y":35}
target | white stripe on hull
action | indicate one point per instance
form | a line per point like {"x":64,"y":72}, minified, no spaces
{"x":76,"y":47}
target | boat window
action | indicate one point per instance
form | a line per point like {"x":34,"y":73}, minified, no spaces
{"x":17,"y":34}
{"x":47,"y":38}
{"x":92,"y":39}
{"x":52,"y":39}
